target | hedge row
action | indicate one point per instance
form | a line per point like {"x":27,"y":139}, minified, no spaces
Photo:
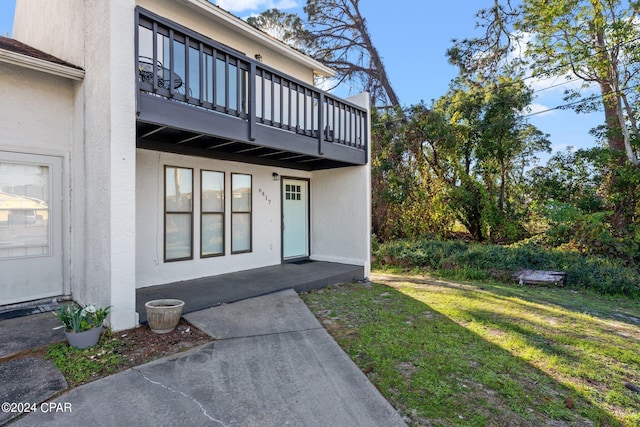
{"x":480,"y":261}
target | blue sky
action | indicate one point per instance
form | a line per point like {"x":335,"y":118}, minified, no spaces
{"x":412,"y":37}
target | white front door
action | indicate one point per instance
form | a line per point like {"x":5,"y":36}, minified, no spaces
{"x":30,"y":227}
{"x":295,"y":218}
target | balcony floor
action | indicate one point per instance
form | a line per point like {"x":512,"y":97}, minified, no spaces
{"x":176,"y":127}
{"x":206,"y":292}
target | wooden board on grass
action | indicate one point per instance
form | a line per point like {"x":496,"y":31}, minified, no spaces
{"x":539,"y":277}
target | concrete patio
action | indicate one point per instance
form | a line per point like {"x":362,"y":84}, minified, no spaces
{"x":206,"y":292}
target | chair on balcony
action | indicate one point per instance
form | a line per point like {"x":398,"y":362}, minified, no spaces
{"x":145,"y":69}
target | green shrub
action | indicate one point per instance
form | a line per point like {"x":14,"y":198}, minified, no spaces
{"x":474,"y":261}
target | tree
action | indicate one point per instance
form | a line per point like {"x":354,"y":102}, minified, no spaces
{"x":460,"y":159}
{"x":406,"y":196}
{"x":494,"y":144}
{"x":335,"y":34}
{"x":344,"y":44}
{"x":491,"y":52}
{"x":572,"y":178}
{"x":595,"y":41}
{"x":286,"y":27}
{"x":568,"y":200}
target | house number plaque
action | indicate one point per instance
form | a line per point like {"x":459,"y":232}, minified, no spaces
{"x":262,"y":193}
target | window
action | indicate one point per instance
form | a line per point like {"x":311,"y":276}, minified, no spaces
{"x":24,"y":210}
{"x":212,"y":213}
{"x":240,"y":213}
{"x":292,"y":192}
{"x":178,"y":213}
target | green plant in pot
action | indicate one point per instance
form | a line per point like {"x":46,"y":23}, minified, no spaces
{"x":82,"y":324}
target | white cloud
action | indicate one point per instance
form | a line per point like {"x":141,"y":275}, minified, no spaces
{"x":236,"y":6}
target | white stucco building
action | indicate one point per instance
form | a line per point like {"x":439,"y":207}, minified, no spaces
{"x":164,"y":141}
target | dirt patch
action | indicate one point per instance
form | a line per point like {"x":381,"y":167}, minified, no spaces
{"x":500,"y":413}
{"x":140,"y":345}
{"x":406,"y":369}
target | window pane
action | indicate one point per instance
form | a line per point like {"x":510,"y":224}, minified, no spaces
{"x":233,"y":87}
{"x":208,"y":78}
{"x":221,"y":82}
{"x":212,"y":234}
{"x":177,"y":236}
{"x":179,"y":61}
{"x":245,"y":91}
{"x":241,"y":188}
{"x":145,"y":42}
{"x":241,"y":232}
{"x":24,"y":210}
{"x":212,"y":191}
{"x":178,"y":189}
{"x":163,"y":50}
{"x":194,"y":73}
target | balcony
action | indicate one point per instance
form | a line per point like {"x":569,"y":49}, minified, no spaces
{"x":202,"y":98}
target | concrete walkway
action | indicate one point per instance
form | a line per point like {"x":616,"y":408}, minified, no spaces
{"x":29,"y":332}
{"x":273,"y":364}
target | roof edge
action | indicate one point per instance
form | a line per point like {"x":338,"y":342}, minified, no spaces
{"x":14,"y":58}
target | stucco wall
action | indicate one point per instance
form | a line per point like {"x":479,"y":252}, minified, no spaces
{"x":53,"y":26}
{"x":109,"y":155}
{"x":150,"y":266}
{"x":37,"y":111}
{"x":222,"y":32}
{"x":341,"y":217}
{"x":341,"y":211}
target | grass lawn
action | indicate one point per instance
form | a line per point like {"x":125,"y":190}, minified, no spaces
{"x":487,"y":354}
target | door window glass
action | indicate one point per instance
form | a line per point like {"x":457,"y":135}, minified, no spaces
{"x":24,"y":210}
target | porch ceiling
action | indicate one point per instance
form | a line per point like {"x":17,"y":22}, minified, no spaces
{"x":170,"y":139}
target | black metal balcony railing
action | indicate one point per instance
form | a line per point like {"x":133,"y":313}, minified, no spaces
{"x":181,"y":65}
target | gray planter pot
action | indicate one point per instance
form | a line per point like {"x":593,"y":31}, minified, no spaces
{"x":84,"y":339}
{"x":163,"y":315}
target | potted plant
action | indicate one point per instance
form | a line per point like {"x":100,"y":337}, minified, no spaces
{"x":83,"y":325}
{"x":163,"y":315}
